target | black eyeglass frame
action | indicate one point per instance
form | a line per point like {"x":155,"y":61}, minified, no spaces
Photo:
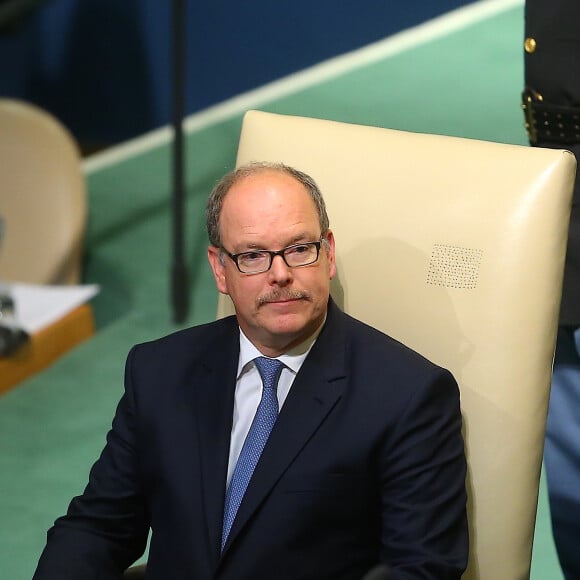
{"x":273,"y":254}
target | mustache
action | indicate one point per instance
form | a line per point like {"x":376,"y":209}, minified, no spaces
{"x":277,"y":295}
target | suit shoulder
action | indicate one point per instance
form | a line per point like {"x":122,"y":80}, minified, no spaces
{"x":193,"y":339}
{"x":369,"y":342}
{"x":169,"y":361}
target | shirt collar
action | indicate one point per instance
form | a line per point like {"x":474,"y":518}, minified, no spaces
{"x":292,"y":359}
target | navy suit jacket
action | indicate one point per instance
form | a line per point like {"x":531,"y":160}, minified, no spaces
{"x":365,"y":464}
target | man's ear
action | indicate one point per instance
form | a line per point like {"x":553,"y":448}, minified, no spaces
{"x":218,"y":268}
{"x":330,"y":247}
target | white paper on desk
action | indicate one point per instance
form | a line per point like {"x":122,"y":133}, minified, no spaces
{"x":39,"y":306}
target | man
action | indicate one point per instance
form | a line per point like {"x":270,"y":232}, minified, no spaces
{"x":551,"y":103}
{"x":364,"y":463}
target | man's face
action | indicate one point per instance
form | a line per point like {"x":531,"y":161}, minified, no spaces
{"x":279,"y":308}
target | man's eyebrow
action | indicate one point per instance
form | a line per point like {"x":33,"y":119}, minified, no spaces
{"x":301,"y":238}
{"x":296,"y":239}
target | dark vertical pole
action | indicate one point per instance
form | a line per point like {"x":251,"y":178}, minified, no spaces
{"x":179,"y":285}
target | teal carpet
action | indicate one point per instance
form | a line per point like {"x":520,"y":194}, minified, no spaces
{"x":52,"y":427}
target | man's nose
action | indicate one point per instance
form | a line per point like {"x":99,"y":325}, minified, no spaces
{"x":280,"y":273}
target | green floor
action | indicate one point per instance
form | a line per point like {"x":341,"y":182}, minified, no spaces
{"x":52,"y":427}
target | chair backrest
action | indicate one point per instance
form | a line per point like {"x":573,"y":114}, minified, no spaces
{"x":42,"y":197}
{"x":455,"y":247}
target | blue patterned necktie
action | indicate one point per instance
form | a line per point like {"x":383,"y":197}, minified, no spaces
{"x":264,"y":420}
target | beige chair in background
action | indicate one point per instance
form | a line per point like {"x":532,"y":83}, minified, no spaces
{"x":43,"y":210}
{"x":455,"y":247}
{"x":42,"y":197}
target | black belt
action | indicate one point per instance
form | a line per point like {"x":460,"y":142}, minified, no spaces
{"x":552,"y":123}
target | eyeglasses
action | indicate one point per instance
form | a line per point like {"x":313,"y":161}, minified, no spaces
{"x":260,"y":261}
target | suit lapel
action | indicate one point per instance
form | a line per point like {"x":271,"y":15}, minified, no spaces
{"x":213,"y":404}
{"x":315,"y":391}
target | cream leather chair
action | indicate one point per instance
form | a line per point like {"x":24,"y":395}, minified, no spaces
{"x":42,"y":197}
{"x":455,"y":247}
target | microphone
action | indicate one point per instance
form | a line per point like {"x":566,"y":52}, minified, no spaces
{"x":380,"y":572}
{"x":11,"y":336}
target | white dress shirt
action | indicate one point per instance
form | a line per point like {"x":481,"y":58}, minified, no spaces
{"x":249,"y":389}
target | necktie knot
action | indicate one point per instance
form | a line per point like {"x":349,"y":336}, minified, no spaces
{"x":269,"y":369}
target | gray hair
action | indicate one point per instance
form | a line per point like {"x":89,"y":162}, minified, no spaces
{"x":219,"y":192}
